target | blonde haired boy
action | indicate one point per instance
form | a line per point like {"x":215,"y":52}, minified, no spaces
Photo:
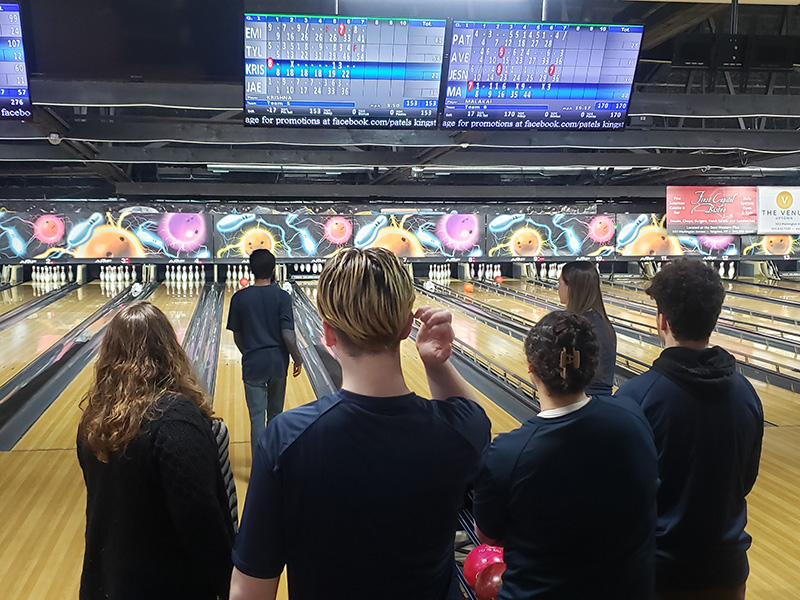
{"x":358,"y":493}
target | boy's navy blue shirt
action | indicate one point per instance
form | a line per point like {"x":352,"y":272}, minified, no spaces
{"x":708,"y":425}
{"x":360,"y":496}
{"x":573,"y":499}
{"x":259,"y":314}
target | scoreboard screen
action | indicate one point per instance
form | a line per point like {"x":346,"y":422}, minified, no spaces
{"x":340,"y":71}
{"x":15,"y":103}
{"x":540,"y":76}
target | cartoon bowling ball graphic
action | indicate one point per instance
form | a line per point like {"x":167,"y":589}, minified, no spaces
{"x":601,"y":229}
{"x":403,"y":243}
{"x":459,"y":232}
{"x":111,"y":242}
{"x":653,"y":241}
{"x":526,"y":242}
{"x":338,"y":230}
{"x":256,"y":239}
{"x":48,"y":229}
{"x":778,"y":245}
{"x":184,"y":232}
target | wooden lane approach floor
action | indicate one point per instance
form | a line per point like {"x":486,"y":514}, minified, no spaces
{"x":42,"y":494}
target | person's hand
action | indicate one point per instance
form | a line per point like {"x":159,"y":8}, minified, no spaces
{"x":296,"y":370}
{"x":435,"y":336}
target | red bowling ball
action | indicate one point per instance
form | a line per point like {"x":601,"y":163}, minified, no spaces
{"x":498,"y":279}
{"x":489,"y":581}
{"x":478,"y":559}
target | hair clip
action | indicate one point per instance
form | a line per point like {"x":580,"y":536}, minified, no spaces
{"x":566,"y":359}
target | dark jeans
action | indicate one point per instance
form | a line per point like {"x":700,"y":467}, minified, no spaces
{"x":264,"y":401}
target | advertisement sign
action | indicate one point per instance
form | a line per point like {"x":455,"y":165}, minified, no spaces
{"x":711,"y":210}
{"x":778,"y":210}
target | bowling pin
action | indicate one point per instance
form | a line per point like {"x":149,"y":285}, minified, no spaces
{"x":722,"y":270}
{"x":63,"y":276}
{"x":69,"y":274}
{"x":731,"y":270}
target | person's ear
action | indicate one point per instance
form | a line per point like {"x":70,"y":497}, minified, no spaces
{"x":329,"y":334}
{"x":408,"y":327}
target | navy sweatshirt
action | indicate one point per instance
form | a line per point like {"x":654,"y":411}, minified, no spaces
{"x":708,"y":425}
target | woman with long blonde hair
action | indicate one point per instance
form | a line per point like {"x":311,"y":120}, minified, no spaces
{"x":157,"y":524}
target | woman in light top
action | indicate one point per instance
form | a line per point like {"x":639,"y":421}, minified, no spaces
{"x":579,"y":290}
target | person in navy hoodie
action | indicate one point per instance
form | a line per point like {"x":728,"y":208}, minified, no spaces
{"x":708,"y":425}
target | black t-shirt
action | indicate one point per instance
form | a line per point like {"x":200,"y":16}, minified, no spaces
{"x":573,"y":498}
{"x":359,"y":496}
{"x":259,"y":314}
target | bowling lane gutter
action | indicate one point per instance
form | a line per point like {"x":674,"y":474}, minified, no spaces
{"x":308,"y":326}
{"x":25,"y":397}
{"x":21,"y":313}
{"x":511,"y":393}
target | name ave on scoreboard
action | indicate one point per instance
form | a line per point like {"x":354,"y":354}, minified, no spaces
{"x":342,"y":71}
{"x":540,"y":75}
{"x":15,"y":101}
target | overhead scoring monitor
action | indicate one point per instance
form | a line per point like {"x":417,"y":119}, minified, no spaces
{"x":15,"y":101}
{"x":334,"y":71}
{"x":540,"y":75}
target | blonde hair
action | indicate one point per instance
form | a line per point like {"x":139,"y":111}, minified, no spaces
{"x":367,"y":296}
{"x":140,"y":361}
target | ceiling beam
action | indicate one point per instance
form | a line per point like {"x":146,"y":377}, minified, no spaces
{"x":400,"y":192}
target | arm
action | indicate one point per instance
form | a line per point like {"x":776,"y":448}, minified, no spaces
{"x":237,"y":339}
{"x":434,"y":344}
{"x":244,"y":587}
{"x":290,"y":339}
{"x":190,"y":471}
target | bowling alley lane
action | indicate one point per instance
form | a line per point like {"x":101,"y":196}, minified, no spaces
{"x":24,"y":341}
{"x":57,"y":426}
{"x":15,"y":296}
{"x":781,"y":407}
{"x":42,"y":483}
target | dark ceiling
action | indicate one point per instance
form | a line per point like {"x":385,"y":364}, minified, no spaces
{"x":145,"y":97}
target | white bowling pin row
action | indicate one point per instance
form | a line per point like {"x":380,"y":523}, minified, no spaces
{"x":184,"y":273}
{"x":117,"y":274}
{"x":308,"y":268}
{"x":487,"y":272}
{"x":235,"y":275}
{"x":50,"y":274}
{"x":551,"y":271}
{"x":183,"y":288}
{"x":440,"y":273}
{"x":44,"y":287}
{"x":729,"y":273}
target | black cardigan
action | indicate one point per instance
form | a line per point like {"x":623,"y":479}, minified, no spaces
{"x":157,"y":524}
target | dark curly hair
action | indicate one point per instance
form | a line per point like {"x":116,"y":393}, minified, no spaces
{"x":690,"y":295}
{"x":562,"y":331}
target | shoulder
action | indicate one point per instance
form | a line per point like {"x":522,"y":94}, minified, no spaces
{"x":291,"y":426}
{"x":747,"y":393}
{"x":175,"y":412}
{"x":622,"y":408}
{"x":464,"y":417}
{"x":640,"y":387}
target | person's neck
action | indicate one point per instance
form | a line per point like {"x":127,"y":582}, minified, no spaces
{"x":260,"y":282}
{"x":671,"y":342}
{"x":550,"y":401}
{"x":377,"y":375}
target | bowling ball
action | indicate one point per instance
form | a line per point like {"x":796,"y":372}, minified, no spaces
{"x":256,"y":239}
{"x":498,"y":279}
{"x":526,"y":242}
{"x":489,"y":581}
{"x":468,"y":287}
{"x":403,"y":243}
{"x":777,"y":245}
{"x":478,"y":559}
{"x":653,"y":241}
{"x":184,"y":232}
{"x":111,"y":242}
{"x":244,"y":282}
{"x":136,"y":289}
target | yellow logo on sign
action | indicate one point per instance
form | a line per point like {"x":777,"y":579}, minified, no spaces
{"x":784,"y":200}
